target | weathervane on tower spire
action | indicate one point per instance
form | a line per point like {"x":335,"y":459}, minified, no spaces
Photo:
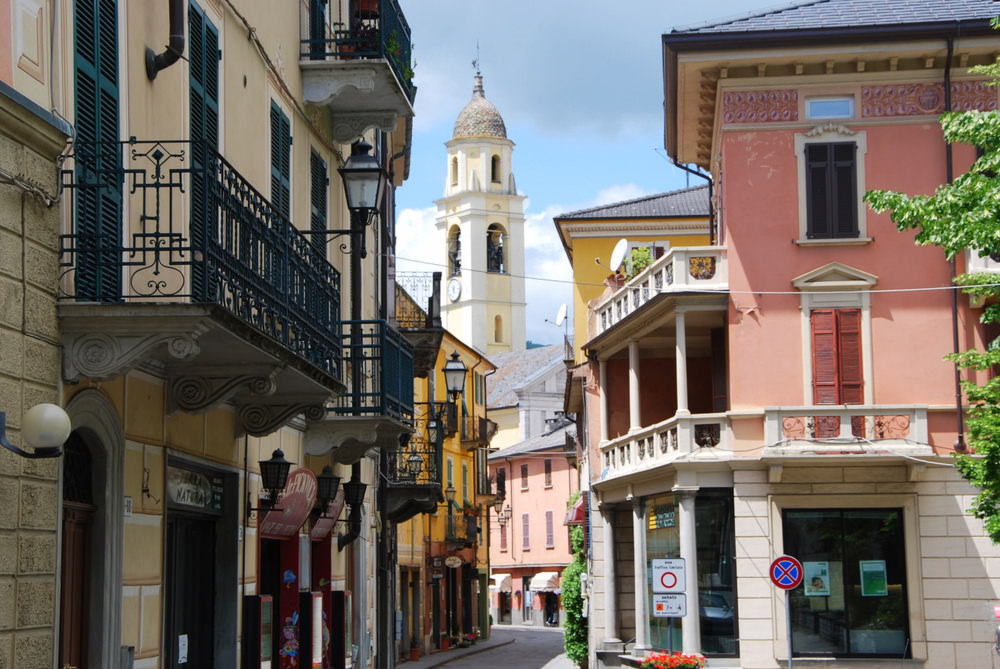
{"x":475,"y":62}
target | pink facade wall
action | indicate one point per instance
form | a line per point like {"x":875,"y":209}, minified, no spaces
{"x":911,"y":331}
{"x":6,"y":38}
{"x":534,"y":500}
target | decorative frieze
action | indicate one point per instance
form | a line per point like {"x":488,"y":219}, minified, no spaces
{"x":754,"y":106}
{"x":887,"y":100}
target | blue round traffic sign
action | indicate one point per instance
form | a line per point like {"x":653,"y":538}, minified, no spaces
{"x":786,"y":572}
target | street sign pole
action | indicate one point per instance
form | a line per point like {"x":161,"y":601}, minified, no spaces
{"x":788,"y":624}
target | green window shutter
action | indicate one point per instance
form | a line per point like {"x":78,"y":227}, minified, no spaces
{"x":203,"y":85}
{"x":319,"y":183}
{"x":281,"y":149}
{"x":97,"y":215}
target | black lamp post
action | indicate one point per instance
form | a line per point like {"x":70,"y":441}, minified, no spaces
{"x":274,"y":475}
{"x":454,"y":376}
{"x":326,"y":490}
{"x":364,"y":181}
{"x":449,"y":495}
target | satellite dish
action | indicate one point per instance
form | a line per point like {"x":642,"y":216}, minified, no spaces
{"x":618,"y":255}
{"x":561,"y":316}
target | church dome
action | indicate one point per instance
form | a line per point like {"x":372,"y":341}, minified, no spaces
{"x":479,"y":118}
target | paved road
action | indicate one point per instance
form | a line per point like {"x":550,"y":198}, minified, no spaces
{"x":509,"y":646}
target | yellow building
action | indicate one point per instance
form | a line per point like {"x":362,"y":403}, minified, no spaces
{"x":208,"y":322}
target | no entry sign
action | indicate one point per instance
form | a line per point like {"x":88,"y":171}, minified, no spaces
{"x":786,"y":572}
{"x":668,"y":575}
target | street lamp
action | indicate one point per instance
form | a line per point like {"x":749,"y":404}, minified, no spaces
{"x":498,"y":503}
{"x":415,"y":462}
{"x":449,"y":493}
{"x":44,"y":426}
{"x":363,"y":179}
{"x":454,"y":376}
{"x":273,"y":478}
{"x":326,"y":490}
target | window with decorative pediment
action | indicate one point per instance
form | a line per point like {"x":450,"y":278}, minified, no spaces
{"x":830,"y":184}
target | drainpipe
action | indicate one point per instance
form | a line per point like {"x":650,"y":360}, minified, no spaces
{"x":175,"y":48}
{"x":949,"y":170}
{"x":711,"y":211}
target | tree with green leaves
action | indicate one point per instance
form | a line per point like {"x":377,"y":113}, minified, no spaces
{"x":574,"y":623}
{"x":965,"y":215}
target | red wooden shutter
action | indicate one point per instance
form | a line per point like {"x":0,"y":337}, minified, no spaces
{"x":849,"y":352}
{"x":550,"y":540}
{"x":824,"y":351}
{"x":525,"y":532}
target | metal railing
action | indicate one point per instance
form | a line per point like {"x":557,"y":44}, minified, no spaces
{"x":679,"y":270}
{"x":419,"y":286}
{"x":195,"y":230}
{"x":462,"y":529}
{"x":381,"y":365}
{"x":358,"y":29}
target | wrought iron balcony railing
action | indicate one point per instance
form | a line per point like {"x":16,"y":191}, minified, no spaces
{"x":358,"y":29}
{"x":462,"y":529}
{"x":381,"y":363}
{"x":168,"y":222}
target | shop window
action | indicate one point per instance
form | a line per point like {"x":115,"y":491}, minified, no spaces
{"x":853,"y":598}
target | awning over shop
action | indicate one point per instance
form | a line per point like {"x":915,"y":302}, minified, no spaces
{"x":576,"y":515}
{"x":501,"y":582}
{"x":545,"y":581}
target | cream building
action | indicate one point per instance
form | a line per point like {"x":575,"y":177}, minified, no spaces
{"x":481,"y":219}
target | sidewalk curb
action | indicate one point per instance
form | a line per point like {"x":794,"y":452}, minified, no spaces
{"x":475,"y":651}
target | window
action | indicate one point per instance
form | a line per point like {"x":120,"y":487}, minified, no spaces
{"x":841,"y":106}
{"x":318,"y":183}
{"x":465,"y":482}
{"x":831,"y":190}
{"x":550,"y":539}
{"x":524,"y":477}
{"x":455,"y":252}
{"x":450,"y":479}
{"x":831,"y":179}
{"x":548,"y":473}
{"x":497,"y":329}
{"x":454,"y":171}
{"x":495,"y":260}
{"x":495,"y":169}
{"x":836,"y":348}
{"x":853,"y":599}
{"x":525,"y":542}
{"x":503,"y":537}
{"x":281,"y":169}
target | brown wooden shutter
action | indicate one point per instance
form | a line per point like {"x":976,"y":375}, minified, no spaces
{"x":824,"y":353}
{"x":849,"y":352}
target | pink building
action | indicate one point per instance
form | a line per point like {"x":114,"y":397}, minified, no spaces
{"x":529,"y":546}
{"x":782,"y":390}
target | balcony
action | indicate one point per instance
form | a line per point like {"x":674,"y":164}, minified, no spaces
{"x":690,"y":438}
{"x":462,"y":530}
{"x":681,"y":271}
{"x":178,"y":265}
{"x":356,"y":62}
{"x":477,"y":431}
{"x":414,"y":485}
{"x":377,"y":408}
{"x":421,"y":327}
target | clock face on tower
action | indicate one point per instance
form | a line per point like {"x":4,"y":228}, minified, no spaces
{"x":454,"y":289}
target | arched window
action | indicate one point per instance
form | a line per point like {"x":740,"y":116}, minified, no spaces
{"x":496,"y":260}
{"x":455,"y":252}
{"x":497,"y":329}
{"x":495,"y":170}
{"x":454,"y":171}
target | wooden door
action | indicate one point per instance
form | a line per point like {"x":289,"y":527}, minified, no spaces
{"x":77,"y":521}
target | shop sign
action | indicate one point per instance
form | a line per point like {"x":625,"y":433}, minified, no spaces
{"x":322,"y":527}
{"x":453,"y":562}
{"x":437,"y":567}
{"x":294,"y":505}
{"x":663,"y":517}
{"x":200,"y":490}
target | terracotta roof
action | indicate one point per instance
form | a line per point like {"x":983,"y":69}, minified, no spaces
{"x":833,"y":14}
{"x":517,"y":369}
{"x":685,"y":203}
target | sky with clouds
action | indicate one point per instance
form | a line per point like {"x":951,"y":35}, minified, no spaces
{"x":579,"y":84}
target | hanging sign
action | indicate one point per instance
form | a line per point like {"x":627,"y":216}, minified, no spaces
{"x":453,"y":562}
{"x":198,"y":489}
{"x":293,"y":507}
{"x":322,"y":527}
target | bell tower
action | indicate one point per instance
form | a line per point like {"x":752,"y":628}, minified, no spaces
{"x":480,"y":221}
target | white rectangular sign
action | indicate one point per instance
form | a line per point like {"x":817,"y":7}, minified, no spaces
{"x":668,"y":575}
{"x":669,"y":606}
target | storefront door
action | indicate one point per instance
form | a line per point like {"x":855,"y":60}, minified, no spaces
{"x":190,"y":590}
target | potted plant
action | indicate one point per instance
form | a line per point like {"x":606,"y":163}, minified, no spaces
{"x":672,"y":661}
{"x":445,"y":641}
{"x":414,"y":648}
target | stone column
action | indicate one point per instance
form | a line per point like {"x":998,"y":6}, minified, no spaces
{"x":682,"y":384}
{"x":634,"y":413}
{"x":641,"y":597}
{"x":691,"y":636}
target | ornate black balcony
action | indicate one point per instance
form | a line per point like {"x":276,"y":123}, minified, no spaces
{"x":378,"y":405}
{"x":355,"y":59}
{"x":415,"y":473}
{"x":171,"y":245}
{"x":418,"y":315}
